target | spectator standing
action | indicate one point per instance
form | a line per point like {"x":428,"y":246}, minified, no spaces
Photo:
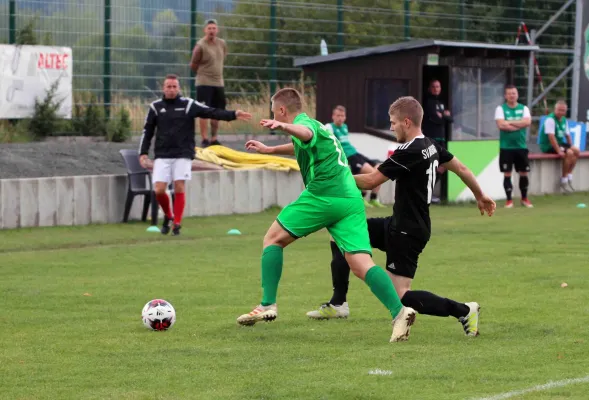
{"x":512,"y":119}
{"x":208,"y":58}
{"x":171,"y":121}
{"x":435,"y":117}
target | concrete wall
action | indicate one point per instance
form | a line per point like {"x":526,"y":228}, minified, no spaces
{"x":83,"y":200}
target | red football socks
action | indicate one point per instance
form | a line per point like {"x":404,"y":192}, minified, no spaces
{"x":164,"y":201}
{"x":179,"y":203}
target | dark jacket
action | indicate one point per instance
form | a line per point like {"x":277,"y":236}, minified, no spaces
{"x":434,"y":126}
{"x":174,"y":120}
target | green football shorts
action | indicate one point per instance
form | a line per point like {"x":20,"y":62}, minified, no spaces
{"x":344,"y":218}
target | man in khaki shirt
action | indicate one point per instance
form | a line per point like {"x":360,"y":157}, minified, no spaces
{"x":207,"y":61}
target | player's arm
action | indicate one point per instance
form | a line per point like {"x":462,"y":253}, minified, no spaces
{"x":196,"y":57}
{"x":525,"y":121}
{"x":148,"y":132}
{"x":505,"y":126}
{"x":550,"y":130}
{"x":301,"y":132}
{"x":371,"y":180}
{"x":568,"y":135}
{"x":448,"y":116}
{"x":198,"y":110}
{"x":500,"y":120}
{"x":399,"y":163}
{"x":283,"y":149}
{"x":432,"y":113}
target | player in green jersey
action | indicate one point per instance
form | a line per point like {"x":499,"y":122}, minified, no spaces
{"x":330,"y":200}
{"x":359,"y":163}
{"x":512,"y":119}
{"x":555,"y":138}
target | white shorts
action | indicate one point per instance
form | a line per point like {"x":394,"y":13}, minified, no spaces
{"x":172,"y":169}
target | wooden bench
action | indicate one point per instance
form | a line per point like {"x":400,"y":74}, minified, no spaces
{"x":548,"y":156}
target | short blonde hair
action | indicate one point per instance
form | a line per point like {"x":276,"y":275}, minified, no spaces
{"x":339,"y":108}
{"x":407,"y":107}
{"x":289,"y":98}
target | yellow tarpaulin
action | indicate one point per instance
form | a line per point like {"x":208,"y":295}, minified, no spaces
{"x":233,"y":159}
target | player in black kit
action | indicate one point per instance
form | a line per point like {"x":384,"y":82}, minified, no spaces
{"x":404,"y":235}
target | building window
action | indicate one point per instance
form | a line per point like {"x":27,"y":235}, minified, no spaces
{"x":380,"y":94}
{"x":476,"y":92}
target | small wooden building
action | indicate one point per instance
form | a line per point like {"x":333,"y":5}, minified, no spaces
{"x":366,"y":81}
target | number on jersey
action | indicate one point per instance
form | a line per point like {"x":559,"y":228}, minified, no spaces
{"x":431,"y":180}
{"x":341,"y":159}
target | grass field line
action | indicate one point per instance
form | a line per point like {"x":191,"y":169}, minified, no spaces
{"x":537,"y":388}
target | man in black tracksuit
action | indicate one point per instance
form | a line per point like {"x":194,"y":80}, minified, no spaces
{"x":435,"y":116}
{"x":174,"y":116}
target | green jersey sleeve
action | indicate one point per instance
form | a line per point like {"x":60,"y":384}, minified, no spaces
{"x":307,"y":123}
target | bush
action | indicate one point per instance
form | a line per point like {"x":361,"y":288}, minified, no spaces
{"x":88,"y":119}
{"x":26,"y":35}
{"x":45,"y":121}
{"x":15,"y":131}
{"x":119,"y":126}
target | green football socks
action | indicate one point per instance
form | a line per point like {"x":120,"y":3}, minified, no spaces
{"x":271,"y":271}
{"x":380,"y":284}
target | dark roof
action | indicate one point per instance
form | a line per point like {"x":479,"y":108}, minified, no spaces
{"x":410,"y":45}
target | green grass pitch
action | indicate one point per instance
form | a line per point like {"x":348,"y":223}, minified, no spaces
{"x":72,"y":298}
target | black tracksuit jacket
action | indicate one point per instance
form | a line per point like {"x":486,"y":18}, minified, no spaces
{"x":172,"y":123}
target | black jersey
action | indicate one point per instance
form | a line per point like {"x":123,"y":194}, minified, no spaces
{"x":413,"y":166}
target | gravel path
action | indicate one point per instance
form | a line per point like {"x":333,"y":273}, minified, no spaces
{"x":81,"y":156}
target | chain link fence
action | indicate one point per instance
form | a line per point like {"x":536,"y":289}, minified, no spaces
{"x":123,"y":48}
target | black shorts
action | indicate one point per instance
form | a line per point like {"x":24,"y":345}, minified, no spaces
{"x":564,"y":148}
{"x":211,"y":96}
{"x":402,"y":250}
{"x":508,"y":158}
{"x":356,"y":161}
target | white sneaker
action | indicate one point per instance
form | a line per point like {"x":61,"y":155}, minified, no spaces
{"x":258,"y":314}
{"x":329,"y":311}
{"x":470,"y":323}
{"x":402,"y":324}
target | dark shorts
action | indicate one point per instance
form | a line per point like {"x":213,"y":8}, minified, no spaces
{"x":402,"y":250}
{"x":508,"y":158}
{"x":564,"y":148}
{"x":211,"y":96}
{"x":356,"y":161}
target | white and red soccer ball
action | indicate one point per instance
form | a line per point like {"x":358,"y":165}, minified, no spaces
{"x":158,"y":315}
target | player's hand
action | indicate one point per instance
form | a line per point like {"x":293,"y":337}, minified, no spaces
{"x":242,"y":115}
{"x":561,"y":153}
{"x":271,"y":124}
{"x":486,"y":205}
{"x":447,"y":113}
{"x":258,"y":147}
{"x":439,"y":114}
{"x":143,"y":160}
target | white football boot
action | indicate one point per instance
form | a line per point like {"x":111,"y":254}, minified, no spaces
{"x":402,"y":325}
{"x":329,"y":311}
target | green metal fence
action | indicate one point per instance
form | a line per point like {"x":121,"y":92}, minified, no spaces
{"x":122,"y":48}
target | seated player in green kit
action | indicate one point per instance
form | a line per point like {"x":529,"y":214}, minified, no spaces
{"x":330,"y":200}
{"x":359,"y":163}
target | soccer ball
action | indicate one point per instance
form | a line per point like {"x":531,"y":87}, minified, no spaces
{"x":158,"y":315}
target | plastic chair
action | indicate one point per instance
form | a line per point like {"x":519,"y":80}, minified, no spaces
{"x":139,"y":180}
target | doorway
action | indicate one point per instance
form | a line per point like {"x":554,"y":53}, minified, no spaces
{"x":441,"y":74}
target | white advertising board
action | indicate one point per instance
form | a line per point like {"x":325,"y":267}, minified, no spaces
{"x":27,"y":72}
